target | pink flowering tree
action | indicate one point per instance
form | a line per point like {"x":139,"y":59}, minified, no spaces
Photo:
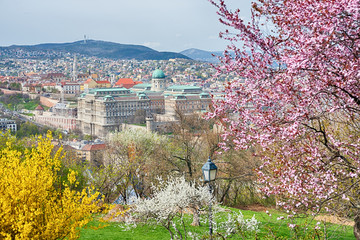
{"x":297,"y":95}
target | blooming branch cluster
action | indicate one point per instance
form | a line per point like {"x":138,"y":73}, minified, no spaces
{"x":33,"y":203}
{"x":297,"y":96}
{"x":172,"y":196}
{"x":170,"y":199}
{"x":236,"y":224}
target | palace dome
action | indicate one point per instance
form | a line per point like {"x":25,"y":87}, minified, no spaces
{"x":158,"y":74}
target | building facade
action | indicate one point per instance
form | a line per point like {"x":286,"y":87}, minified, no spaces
{"x":64,"y":123}
{"x":158,"y":81}
{"x":187,"y":103}
{"x":104,"y":110}
{"x":71,"y":87}
{"x":7,"y":124}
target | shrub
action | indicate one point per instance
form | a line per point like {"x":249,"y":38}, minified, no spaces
{"x":33,"y":203}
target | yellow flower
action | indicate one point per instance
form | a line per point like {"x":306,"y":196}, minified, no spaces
{"x":31,"y":207}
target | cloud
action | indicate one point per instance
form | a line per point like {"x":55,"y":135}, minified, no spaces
{"x":178,"y":35}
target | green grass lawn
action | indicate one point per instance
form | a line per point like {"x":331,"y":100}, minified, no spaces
{"x":31,"y":105}
{"x":28,"y":114}
{"x":269,"y":227}
{"x":114,"y":231}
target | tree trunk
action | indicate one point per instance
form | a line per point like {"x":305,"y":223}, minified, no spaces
{"x":357,"y":227}
{"x":226,"y":191}
{"x":196,"y":217}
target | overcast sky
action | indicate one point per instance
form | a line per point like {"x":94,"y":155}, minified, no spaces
{"x":164,"y":25}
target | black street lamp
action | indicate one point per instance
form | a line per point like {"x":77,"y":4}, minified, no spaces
{"x":209,"y":171}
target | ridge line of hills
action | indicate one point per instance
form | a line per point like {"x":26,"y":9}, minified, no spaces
{"x":104,"y":49}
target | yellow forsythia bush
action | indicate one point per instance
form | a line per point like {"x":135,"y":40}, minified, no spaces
{"x":33,"y":205}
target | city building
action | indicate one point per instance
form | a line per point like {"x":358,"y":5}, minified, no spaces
{"x":62,"y":116}
{"x":54,"y":77}
{"x":64,"y":123}
{"x":158,"y":81}
{"x":39,"y":110}
{"x":157,"y":103}
{"x":49,"y":86}
{"x":71,"y":87}
{"x":141,"y":87}
{"x":103,"y":84}
{"x":89,"y":84}
{"x":187,"y":103}
{"x":103,"y":110}
{"x":32,"y":87}
{"x":64,"y":109}
{"x":126,"y":83}
{"x":93,"y":153}
{"x":6,"y":124}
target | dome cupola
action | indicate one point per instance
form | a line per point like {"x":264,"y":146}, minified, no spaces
{"x":158,"y":74}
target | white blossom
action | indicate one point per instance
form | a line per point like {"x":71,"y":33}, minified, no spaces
{"x":170,"y":199}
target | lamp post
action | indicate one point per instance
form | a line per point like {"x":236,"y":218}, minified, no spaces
{"x":209,"y":171}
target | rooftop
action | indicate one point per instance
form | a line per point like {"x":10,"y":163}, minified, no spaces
{"x":102,"y":82}
{"x":124,"y":81}
{"x":183,"y":88}
{"x":142,"y":86}
{"x":94,"y":147}
{"x":158,"y":74}
{"x":95,"y":90}
{"x":39,"y":107}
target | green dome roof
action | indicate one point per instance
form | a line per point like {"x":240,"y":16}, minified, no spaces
{"x":158,"y":74}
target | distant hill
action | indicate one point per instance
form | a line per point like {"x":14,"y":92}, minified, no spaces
{"x":97,"y":48}
{"x":201,"y":55}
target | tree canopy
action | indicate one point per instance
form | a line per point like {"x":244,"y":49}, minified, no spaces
{"x":34,"y":201}
{"x":297,"y":96}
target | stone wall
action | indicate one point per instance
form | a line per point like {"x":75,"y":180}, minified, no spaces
{"x":10,"y":92}
{"x":48,"y":101}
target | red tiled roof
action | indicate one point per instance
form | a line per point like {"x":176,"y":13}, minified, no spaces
{"x":88,"y":81}
{"x":102,"y":82}
{"x":55,"y":75}
{"x":124,"y":81}
{"x":69,"y":83}
{"x":39,"y":107}
{"x":68,"y":147}
{"x":49,"y":84}
{"x":94,"y":147}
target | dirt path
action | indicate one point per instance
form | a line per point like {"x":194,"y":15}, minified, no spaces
{"x":326,"y":218}
{"x":335,"y":220}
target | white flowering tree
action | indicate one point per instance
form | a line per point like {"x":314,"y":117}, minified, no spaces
{"x":129,"y":164}
{"x":171,"y":199}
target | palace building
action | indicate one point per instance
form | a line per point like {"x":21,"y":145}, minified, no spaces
{"x":104,"y":110}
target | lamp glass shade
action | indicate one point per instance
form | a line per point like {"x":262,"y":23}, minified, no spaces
{"x":213,"y":174}
{"x":206,"y":174}
{"x":209,"y":171}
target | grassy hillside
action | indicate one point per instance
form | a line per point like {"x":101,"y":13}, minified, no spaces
{"x":273,"y":225}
